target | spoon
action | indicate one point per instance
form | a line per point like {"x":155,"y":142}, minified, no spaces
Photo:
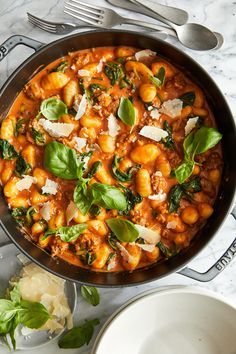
{"x":191,"y":35}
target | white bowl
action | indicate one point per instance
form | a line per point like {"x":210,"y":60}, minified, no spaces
{"x":181,"y":320}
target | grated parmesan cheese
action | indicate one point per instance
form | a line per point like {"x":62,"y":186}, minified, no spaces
{"x":56,"y":130}
{"x":191,"y":124}
{"x":144,"y":54}
{"x":153,"y":133}
{"x":82,"y":107}
{"x":155,"y":113}
{"x":80,"y":143}
{"x":25,"y":183}
{"x":50,"y":187}
{"x":83,"y":73}
{"x":172,"y":108}
{"x":71,"y":211}
{"x":45,"y":211}
{"x":113,"y":125}
{"x":150,"y":236}
{"x":160,"y":197}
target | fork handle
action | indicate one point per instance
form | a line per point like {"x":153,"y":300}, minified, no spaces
{"x":167,"y":30}
{"x":15,"y":40}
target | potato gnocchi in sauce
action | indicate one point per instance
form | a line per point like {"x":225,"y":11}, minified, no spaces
{"x":110,"y":159}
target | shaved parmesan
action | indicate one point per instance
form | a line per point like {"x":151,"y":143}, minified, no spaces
{"x":171,"y":224}
{"x":83,"y":73}
{"x":100,"y":65}
{"x":71,"y":211}
{"x":155,"y":113}
{"x":82,"y":107}
{"x":80,"y":143}
{"x":160,"y":197}
{"x":37,"y":285}
{"x":113,"y":125}
{"x":144,"y":54}
{"x":25,"y":183}
{"x":56,"y":130}
{"x":191,"y":124}
{"x":145,"y":247}
{"x":50,"y":187}
{"x":124,"y":253}
{"x":148,"y":235}
{"x":172,"y":108}
{"x":112,"y":264}
{"x":153,"y":133}
{"x":45,"y":211}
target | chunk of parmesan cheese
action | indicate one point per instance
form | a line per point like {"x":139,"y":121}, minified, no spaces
{"x":100,"y":65}
{"x":171,"y":224}
{"x":155,"y":113}
{"x":56,"y":130}
{"x":150,"y":236}
{"x":172,"y":108}
{"x":145,"y":247}
{"x":124,"y":253}
{"x":191,"y":124}
{"x":71,"y":211}
{"x":50,"y":187}
{"x":153,"y":133}
{"x":25,"y":183}
{"x":159,"y":197}
{"x":45,"y":211}
{"x":81,"y":108}
{"x":84,"y":73}
{"x":144,"y":54}
{"x":113,"y":126}
{"x":80,"y":143}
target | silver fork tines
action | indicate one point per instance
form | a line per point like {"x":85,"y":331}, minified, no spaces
{"x":83,"y":12}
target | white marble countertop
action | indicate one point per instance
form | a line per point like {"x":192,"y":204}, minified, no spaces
{"x":221,"y":65}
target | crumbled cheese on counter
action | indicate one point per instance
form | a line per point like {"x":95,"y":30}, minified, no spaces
{"x":153,"y":133}
{"x":171,"y":224}
{"x":45,"y":211}
{"x":155,"y":113}
{"x":50,"y":187}
{"x":159,"y":197}
{"x":113,"y":126}
{"x":83,"y":73}
{"x":145,"y":247}
{"x":37,"y":285}
{"x":144,"y":54}
{"x":80,"y":143}
{"x":25,"y":183}
{"x":150,"y":236}
{"x":71,"y":211}
{"x":172,"y":108}
{"x":82,"y":107}
{"x":191,"y":124}
{"x":56,"y":130}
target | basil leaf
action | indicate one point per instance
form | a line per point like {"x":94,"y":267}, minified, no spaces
{"x":88,"y":258}
{"x":113,"y":71}
{"x":7,"y":310}
{"x":155,"y":81}
{"x":61,"y":161}
{"x":94,"y":169}
{"x":188,"y":98}
{"x":14,"y":324}
{"x":82,"y":198}
{"x":188,"y":146}
{"x":95,"y":210}
{"x":184,"y":171}
{"x":112,"y":240}
{"x":161,"y":75}
{"x":78,"y":336}
{"x":7,"y":150}
{"x":90,"y":294}
{"x":53,"y":108}
{"x":126,"y":111}
{"x":205,"y":138}
{"x":5,"y":327}
{"x":166,"y":251}
{"x":67,"y":233}
{"x":123,"y":229}
{"x":38,"y":137}
{"x":15,"y":295}
{"x":193,"y":186}
{"x":22,"y":167}
{"x":32,"y":314}
{"x":108,"y":197}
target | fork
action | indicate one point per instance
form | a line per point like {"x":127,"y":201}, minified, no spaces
{"x":53,"y":27}
{"x":105,"y":18}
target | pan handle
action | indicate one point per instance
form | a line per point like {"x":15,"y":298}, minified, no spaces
{"x":15,"y":40}
{"x":218,"y":267}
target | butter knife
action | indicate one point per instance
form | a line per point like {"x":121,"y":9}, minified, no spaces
{"x":173,"y":14}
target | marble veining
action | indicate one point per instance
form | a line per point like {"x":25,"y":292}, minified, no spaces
{"x":221,"y":65}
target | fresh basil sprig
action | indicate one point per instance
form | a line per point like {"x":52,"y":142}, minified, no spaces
{"x":196,"y":143}
{"x":123,"y":229}
{"x":53,"y":108}
{"x":126,"y":111}
{"x":62,"y":161}
{"x":90,"y":294}
{"x":78,"y":336}
{"x":7,"y":151}
{"x":67,"y":233}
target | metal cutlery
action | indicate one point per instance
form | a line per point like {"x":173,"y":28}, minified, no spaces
{"x":193,"y":36}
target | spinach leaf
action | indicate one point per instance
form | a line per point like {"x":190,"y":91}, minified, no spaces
{"x":20,"y":126}
{"x":61,"y":161}
{"x":22,"y":167}
{"x":94,"y":169}
{"x":67,"y":233}
{"x":123,"y":229}
{"x":168,"y":141}
{"x":53,"y":108}
{"x":120,"y":175}
{"x":95,"y":210}
{"x":90,"y":294}
{"x":38,"y":137}
{"x":126,"y":111}
{"x":88,"y":258}
{"x":108,"y":197}
{"x":78,"y":336}
{"x":155,"y":81}
{"x":7,"y":150}
{"x":32,"y":314}
{"x":131,"y":199}
{"x":61,"y":67}
{"x":112,"y":240}
{"x":188,"y":98}
{"x":161,"y":76}
{"x":113,"y":71}
{"x":166,"y":251}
